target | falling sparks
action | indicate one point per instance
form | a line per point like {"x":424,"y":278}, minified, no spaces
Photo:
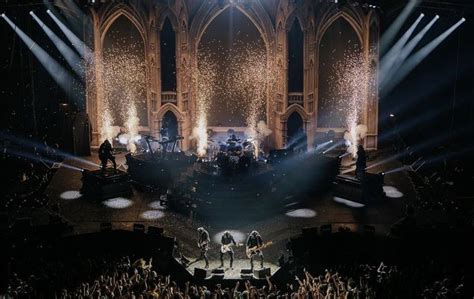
{"x":132,"y":127}
{"x":251,"y":78}
{"x":239,"y":88}
{"x":124,"y":105}
{"x":206,"y":83}
{"x":107,"y":130}
{"x":349,"y":85}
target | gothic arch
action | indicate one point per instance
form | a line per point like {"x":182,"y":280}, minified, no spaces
{"x":210,"y":10}
{"x":168,"y":13}
{"x":130,"y":14}
{"x":323,"y":27}
{"x":295,"y":108}
{"x":169,"y":107}
{"x":294,"y":15}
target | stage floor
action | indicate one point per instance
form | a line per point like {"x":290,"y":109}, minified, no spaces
{"x":86,"y":215}
{"x":237,"y":266}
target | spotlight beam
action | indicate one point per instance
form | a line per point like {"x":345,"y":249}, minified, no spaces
{"x":323,"y":145}
{"x":401,"y":57}
{"x":407,"y":125}
{"x":416,"y":58}
{"x":295,"y":139}
{"x":78,"y":44}
{"x":336,"y":144}
{"x":392,"y":31}
{"x":60,"y":75}
{"x":431,"y":142}
{"x":71,"y":57}
{"x":33,"y":157}
{"x":389,"y":59}
{"x":24,"y":142}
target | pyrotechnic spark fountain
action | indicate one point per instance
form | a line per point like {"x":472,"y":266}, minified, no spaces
{"x":132,"y":127}
{"x":206,"y":84}
{"x":124,"y":87}
{"x":107,"y":130}
{"x":349,"y":85}
{"x":250,"y":77}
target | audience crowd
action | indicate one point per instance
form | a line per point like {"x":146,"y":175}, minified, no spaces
{"x":109,"y":277}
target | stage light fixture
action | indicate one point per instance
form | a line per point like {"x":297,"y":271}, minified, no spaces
{"x":3,"y":15}
{"x":392,"y":115}
{"x":31,"y":12}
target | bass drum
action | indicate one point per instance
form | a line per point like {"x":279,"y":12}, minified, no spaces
{"x":222,"y":159}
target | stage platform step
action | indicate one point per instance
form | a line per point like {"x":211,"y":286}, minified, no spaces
{"x":106,"y":184}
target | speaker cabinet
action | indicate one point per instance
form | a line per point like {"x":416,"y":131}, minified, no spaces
{"x":246,"y":274}
{"x":262,"y":273}
{"x":201,"y":274}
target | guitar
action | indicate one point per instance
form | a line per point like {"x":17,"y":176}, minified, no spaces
{"x":251,"y":251}
{"x":228,"y":247}
{"x":203,"y":246}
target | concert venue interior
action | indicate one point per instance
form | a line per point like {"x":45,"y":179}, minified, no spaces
{"x":237,"y":148}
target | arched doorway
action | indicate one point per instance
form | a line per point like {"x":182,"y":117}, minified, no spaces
{"x":232,"y":48}
{"x":339,"y":48}
{"x":295,"y":134}
{"x":124,"y":73}
{"x":170,"y":123}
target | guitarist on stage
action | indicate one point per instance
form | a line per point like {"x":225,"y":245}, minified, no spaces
{"x":105,"y":154}
{"x":254,"y":241}
{"x":227,"y":241}
{"x":203,"y":244}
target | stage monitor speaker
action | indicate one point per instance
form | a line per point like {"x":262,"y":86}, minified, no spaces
{"x":155,"y":231}
{"x":369,"y":189}
{"x":262,"y":273}
{"x":105,"y":226}
{"x":326,"y":229}
{"x":218,"y":273}
{"x":138,"y":228}
{"x":246,"y":274}
{"x":200,"y":273}
{"x":309,"y":232}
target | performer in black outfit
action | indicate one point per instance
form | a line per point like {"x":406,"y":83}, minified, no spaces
{"x":253,"y":240}
{"x":105,"y":154}
{"x":203,"y":244}
{"x":361,"y":162}
{"x":227,"y":239}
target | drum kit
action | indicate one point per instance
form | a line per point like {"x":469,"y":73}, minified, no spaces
{"x":234,"y":152}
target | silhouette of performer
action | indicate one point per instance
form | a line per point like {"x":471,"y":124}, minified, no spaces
{"x":105,"y":154}
{"x":361,"y":162}
{"x":203,"y":245}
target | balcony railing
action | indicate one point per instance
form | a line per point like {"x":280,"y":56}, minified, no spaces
{"x":295,"y":98}
{"x":169,"y":97}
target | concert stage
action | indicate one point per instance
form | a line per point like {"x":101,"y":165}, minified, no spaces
{"x":275,"y":222}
